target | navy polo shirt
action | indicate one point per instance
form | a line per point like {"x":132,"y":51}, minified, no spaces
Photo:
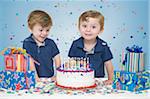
{"x":43,"y":54}
{"x":101,"y":54}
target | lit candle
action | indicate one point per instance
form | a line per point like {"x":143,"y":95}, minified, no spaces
{"x":88,"y":64}
{"x":78,"y":63}
{"x":84,"y":63}
{"x":81,"y":63}
{"x":62,"y":66}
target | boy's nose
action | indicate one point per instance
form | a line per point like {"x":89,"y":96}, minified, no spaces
{"x":44,"y":33}
{"x":88,"y":29}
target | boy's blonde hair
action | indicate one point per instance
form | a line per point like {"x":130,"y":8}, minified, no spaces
{"x":39,"y":17}
{"x":92,"y":14}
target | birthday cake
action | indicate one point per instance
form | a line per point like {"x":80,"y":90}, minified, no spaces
{"x":132,"y":75}
{"x":75,"y":74}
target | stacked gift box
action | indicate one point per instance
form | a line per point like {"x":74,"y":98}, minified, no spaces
{"x":17,"y":74}
{"x":132,"y":75}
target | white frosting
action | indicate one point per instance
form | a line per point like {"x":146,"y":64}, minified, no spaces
{"x":75,"y":79}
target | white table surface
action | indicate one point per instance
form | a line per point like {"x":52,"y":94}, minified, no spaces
{"x":100,"y":92}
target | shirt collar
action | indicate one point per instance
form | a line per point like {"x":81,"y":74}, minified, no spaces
{"x":98,"y":47}
{"x":91,"y":51}
{"x":80,"y":43}
{"x":31,"y":39}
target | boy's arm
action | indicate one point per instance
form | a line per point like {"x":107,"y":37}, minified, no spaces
{"x":110,"y":72}
{"x":57,"y":62}
{"x":32,"y":67}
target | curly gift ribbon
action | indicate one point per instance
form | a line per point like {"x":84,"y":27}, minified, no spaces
{"x":135,"y":49}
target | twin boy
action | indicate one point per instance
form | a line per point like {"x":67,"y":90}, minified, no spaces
{"x":45,"y":51}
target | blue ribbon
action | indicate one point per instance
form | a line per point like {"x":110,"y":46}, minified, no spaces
{"x":7,"y":52}
{"x":135,"y":49}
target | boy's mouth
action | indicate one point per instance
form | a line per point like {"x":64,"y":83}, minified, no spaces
{"x":88,"y":34}
{"x":42,"y":37}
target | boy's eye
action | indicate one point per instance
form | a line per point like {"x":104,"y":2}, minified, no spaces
{"x":84,"y":26}
{"x":47,"y":30}
{"x":41,"y":30}
{"x":93,"y":27}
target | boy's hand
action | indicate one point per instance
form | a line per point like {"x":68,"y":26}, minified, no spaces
{"x":37,"y":79}
{"x":108,"y":82}
{"x":53,"y":79}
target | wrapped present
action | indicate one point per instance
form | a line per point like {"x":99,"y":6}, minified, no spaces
{"x":132,"y":60}
{"x":17,"y":80}
{"x":16,"y":59}
{"x":131,"y":81}
{"x":30,"y":79}
{"x":15,"y":62}
{"x":1,"y":77}
{"x":18,"y":72}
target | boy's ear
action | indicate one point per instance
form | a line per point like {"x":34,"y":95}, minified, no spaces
{"x":30,"y":30}
{"x":102,"y":30}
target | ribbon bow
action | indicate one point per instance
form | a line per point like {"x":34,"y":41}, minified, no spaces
{"x":135,"y":49}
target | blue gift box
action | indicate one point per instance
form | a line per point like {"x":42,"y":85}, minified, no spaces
{"x":131,"y":81}
{"x":17,"y":80}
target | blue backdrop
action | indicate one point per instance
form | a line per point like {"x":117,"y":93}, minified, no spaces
{"x":126,"y":23}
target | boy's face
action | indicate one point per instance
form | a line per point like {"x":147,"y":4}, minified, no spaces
{"x":40,"y":33}
{"x":89,"y":29}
